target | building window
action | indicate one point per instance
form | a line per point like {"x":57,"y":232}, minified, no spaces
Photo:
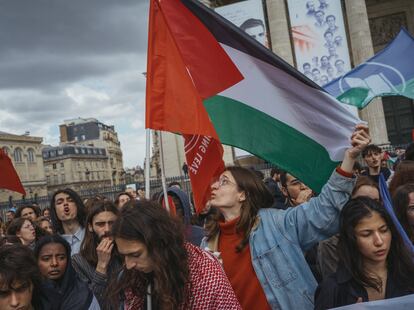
{"x":18,"y":155}
{"x":54,"y":166}
{"x":63,"y":179}
{"x":30,"y":156}
{"x":62,"y":165}
{"x":55,"y":179}
{"x":80,"y":176}
{"x":48,"y":179}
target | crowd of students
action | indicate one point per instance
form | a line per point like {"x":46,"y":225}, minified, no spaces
{"x":271,"y":244}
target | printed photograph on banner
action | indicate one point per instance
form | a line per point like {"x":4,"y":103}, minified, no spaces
{"x":249,"y":16}
{"x":319,"y":38}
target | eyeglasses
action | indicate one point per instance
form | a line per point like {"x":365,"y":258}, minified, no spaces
{"x":224,"y":182}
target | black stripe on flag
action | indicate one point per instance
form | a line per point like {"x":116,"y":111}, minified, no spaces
{"x":227,"y":33}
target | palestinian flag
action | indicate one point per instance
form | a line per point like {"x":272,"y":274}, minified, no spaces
{"x":263,"y":105}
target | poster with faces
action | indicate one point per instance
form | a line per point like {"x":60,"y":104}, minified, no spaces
{"x":249,"y":16}
{"x":319,"y":38}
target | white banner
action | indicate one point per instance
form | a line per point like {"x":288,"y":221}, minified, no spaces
{"x":249,"y":16}
{"x":319,"y":37}
{"x":399,"y":303}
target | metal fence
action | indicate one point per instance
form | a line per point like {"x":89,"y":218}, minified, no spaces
{"x":113,"y":191}
{"x":155,"y":186}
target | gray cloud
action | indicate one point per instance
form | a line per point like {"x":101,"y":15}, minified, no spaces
{"x":64,"y":59}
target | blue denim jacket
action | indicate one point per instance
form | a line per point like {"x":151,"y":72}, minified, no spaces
{"x":281,"y":236}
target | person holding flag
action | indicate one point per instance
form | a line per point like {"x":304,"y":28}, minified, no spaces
{"x":261,"y":247}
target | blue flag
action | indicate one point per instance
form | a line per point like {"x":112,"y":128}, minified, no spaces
{"x":388,"y":73}
{"x":386,"y":200}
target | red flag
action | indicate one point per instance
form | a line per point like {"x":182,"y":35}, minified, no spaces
{"x":8,"y":175}
{"x":186,"y":65}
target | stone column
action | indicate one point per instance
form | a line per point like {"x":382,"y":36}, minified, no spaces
{"x":362,"y":49}
{"x":279,"y":29}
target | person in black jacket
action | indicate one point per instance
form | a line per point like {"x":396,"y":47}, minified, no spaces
{"x":272,"y":184}
{"x":375,"y":263}
{"x":61,"y":288}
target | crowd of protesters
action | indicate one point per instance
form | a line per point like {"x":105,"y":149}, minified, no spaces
{"x":259,"y":244}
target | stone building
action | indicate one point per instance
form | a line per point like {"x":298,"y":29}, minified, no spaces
{"x":25,"y":152}
{"x":370,"y":25}
{"x":77,"y":167}
{"x":91,"y":132}
{"x":134,"y":175}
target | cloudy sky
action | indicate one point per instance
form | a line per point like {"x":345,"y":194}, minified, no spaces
{"x":80,"y":58}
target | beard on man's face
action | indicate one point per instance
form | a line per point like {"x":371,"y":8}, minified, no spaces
{"x":98,"y":239}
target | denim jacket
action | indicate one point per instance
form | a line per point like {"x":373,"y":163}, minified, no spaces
{"x":280,"y":237}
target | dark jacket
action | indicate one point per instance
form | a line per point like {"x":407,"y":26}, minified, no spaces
{"x":385,"y":172}
{"x":68,"y":293}
{"x":278,"y":198}
{"x":97,"y":282}
{"x":340,"y":289}
{"x":193,"y":234}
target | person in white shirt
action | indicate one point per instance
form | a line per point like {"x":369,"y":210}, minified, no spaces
{"x":68,"y":216}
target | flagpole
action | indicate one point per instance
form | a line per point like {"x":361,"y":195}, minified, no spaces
{"x":147,"y":162}
{"x":164,"y":184}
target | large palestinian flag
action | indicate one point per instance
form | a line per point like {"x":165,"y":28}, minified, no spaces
{"x":264,"y":105}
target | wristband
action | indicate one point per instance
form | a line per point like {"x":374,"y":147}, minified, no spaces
{"x":344,"y":173}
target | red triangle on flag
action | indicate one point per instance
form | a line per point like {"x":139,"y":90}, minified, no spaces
{"x":186,"y":65}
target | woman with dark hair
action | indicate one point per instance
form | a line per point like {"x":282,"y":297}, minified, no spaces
{"x":24,"y":230}
{"x":180,"y":275}
{"x":375,"y":263}
{"x":122,"y":199}
{"x":328,"y":256}
{"x":44,"y":224}
{"x":261,"y":247}
{"x":403,"y":201}
{"x":46,"y":213}
{"x":61,"y":289}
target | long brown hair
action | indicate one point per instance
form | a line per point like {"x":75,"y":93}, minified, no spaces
{"x":404,"y":173}
{"x":364,"y":180}
{"x":257,"y":197}
{"x":400,"y":201}
{"x":399,"y":261}
{"x":90,"y":242}
{"x":149,"y":223}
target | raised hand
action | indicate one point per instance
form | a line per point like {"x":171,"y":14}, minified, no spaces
{"x":104,"y":251}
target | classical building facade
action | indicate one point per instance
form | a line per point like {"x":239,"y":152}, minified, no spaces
{"x":370,"y":25}
{"x":77,"y":167}
{"x":25,"y":151}
{"x":91,"y":132}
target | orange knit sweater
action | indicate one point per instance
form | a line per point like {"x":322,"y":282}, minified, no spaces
{"x":239,"y":269}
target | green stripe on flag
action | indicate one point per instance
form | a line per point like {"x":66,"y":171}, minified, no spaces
{"x":355,"y":96}
{"x":258,"y":131}
{"x":358,"y":96}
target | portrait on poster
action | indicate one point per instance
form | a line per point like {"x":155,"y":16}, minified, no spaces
{"x":249,"y":16}
{"x":319,"y":38}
